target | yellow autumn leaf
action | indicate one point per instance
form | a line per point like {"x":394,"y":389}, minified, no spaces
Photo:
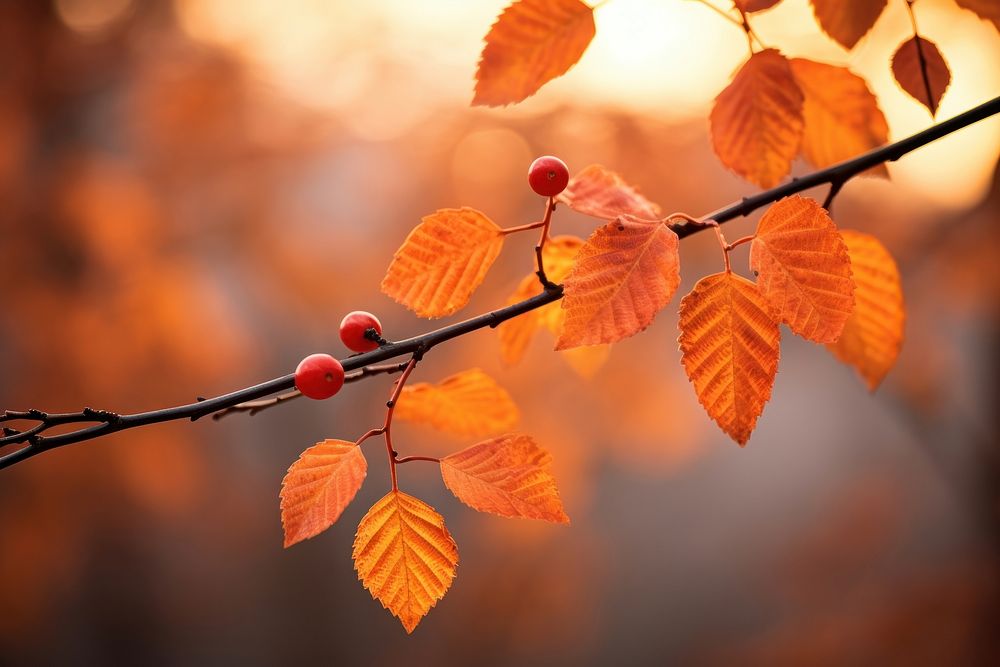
{"x":467,"y":403}
{"x":442,"y":262}
{"x":405,"y":556}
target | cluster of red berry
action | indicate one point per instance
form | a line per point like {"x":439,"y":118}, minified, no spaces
{"x":321,"y":376}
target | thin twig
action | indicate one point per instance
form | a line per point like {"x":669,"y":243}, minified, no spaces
{"x":835,"y":187}
{"x":103,"y":423}
{"x":253,"y":407}
{"x":743,"y":25}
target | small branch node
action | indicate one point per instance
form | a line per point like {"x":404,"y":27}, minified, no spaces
{"x":372,"y":334}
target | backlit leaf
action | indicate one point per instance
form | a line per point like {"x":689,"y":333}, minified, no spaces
{"x":987,"y":10}
{"x":602,"y":193}
{"x":873,"y":335}
{"x":531,"y":43}
{"x":847,"y":21}
{"x":510,"y":476}
{"x":405,"y":556}
{"x":729,"y":348}
{"x":625,"y":273}
{"x":559,"y":256}
{"x":318,"y":487}
{"x":750,"y":6}
{"x":842,"y":116}
{"x":443,"y":261}
{"x":803,"y":269}
{"x":757,"y":120}
{"x":467,"y":403}
{"x":921,"y":71}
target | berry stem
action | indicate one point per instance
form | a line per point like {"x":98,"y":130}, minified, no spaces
{"x":550,"y":205}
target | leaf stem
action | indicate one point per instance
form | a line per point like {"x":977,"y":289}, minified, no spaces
{"x":741,"y":23}
{"x":522,"y":228}
{"x":722,"y":244}
{"x":387,"y":425}
{"x":739,"y":242}
{"x":407,"y":459}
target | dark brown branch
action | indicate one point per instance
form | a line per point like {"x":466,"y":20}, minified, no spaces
{"x":253,"y":407}
{"x":103,"y":423}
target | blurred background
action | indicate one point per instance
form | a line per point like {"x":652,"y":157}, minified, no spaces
{"x":194,"y":192}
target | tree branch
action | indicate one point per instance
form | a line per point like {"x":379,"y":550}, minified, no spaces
{"x":102,"y":422}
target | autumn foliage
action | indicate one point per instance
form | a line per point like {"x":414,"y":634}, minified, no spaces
{"x":609,"y":281}
{"x":840,"y":289}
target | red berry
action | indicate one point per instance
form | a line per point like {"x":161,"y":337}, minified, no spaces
{"x":548,"y":176}
{"x":319,"y":376}
{"x":353,"y":328}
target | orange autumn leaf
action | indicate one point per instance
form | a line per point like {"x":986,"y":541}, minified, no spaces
{"x":467,"y":403}
{"x":842,"y":116}
{"x":531,"y":43}
{"x":318,"y":487}
{"x":516,"y":334}
{"x":558,"y":257}
{"x":987,"y":10}
{"x":873,"y":335}
{"x":729,"y":348}
{"x":757,"y":122}
{"x":751,"y":6}
{"x":803,"y":269}
{"x":847,"y":21}
{"x":625,"y":273}
{"x":405,"y":556}
{"x":601,"y":193}
{"x":442,"y":262}
{"x":921,"y":71}
{"x":509,"y":475}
